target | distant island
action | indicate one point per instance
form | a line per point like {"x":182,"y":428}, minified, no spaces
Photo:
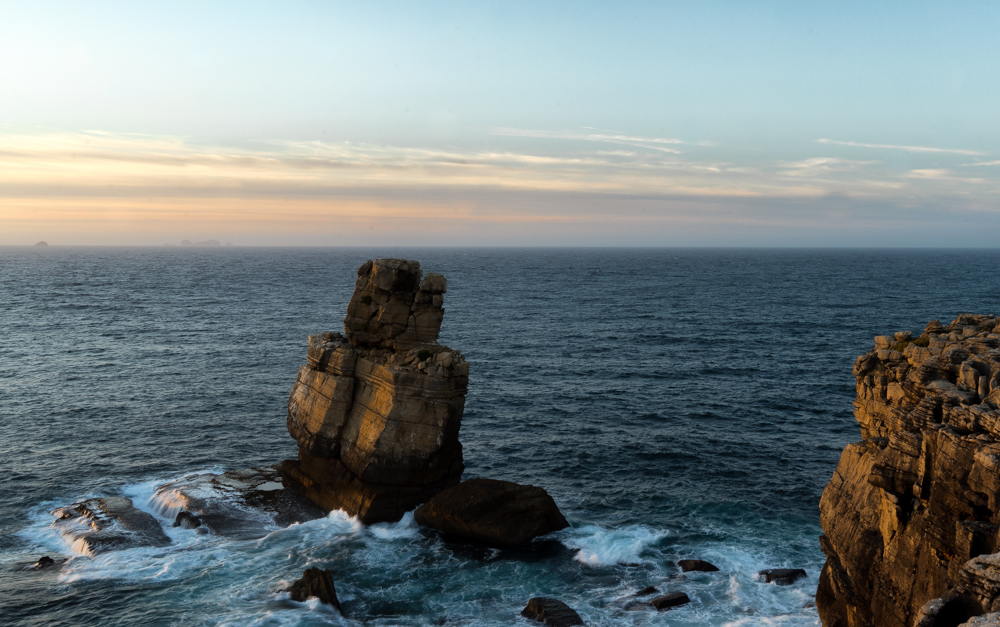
{"x":42,"y":243}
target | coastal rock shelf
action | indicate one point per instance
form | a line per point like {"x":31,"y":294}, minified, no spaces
{"x":376,"y":410}
{"x":913,"y":509}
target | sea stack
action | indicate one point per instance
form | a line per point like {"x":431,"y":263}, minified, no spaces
{"x":376,"y":410}
{"x":911,"y":515}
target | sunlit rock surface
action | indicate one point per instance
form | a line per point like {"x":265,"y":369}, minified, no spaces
{"x":919,"y":497}
{"x":108,"y":523}
{"x":376,"y":411}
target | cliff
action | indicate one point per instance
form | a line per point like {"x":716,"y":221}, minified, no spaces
{"x":911,"y":514}
{"x":376,"y":410}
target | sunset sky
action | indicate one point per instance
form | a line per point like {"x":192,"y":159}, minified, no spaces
{"x":507,"y":123}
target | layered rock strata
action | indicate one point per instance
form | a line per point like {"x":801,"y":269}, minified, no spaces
{"x":108,"y":523}
{"x":919,"y":497}
{"x":376,"y":410}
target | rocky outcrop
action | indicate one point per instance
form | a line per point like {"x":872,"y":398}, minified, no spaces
{"x":669,"y":600}
{"x":781,"y":576}
{"x":315,"y":583}
{"x":919,"y":497}
{"x":247,"y":503}
{"x":551,"y":612}
{"x":699,"y":566}
{"x":108,"y":523}
{"x":376,"y":410}
{"x":497,"y":513}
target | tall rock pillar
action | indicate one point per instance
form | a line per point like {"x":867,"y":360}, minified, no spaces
{"x":376,"y":410}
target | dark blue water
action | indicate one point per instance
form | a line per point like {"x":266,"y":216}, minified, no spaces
{"x":675,"y":403}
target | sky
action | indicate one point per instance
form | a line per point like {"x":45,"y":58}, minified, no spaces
{"x":500,"y":123}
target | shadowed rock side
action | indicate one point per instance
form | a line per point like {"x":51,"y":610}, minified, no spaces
{"x":376,"y":410}
{"x":919,"y":496}
{"x":497,"y":513}
{"x":108,"y":523}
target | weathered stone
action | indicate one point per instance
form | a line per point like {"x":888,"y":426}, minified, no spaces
{"x":781,"y":576}
{"x":552,"y":612}
{"x":315,"y":583}
{"x":247,"y":503}
{"x":920,"y":496}
{"x":648,"y":590}
{"x":108,"y":523}
{"x":497,"y":513}
{"x":702,"y":566}
{"x":669,"y":600}
{"x":376,"y":411}
{"x":43,"y":562}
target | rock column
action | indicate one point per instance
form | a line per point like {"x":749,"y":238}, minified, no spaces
{"x":376,"y":410}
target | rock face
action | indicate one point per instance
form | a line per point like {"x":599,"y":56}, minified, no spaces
{"x":318,"y":583}
{"x":552,"y":612}
{"x":108,"y":523}
{"x":497,"y":513}
{"x":376,"y":410}
{"x":919,"y":497}
{"x":247,"y":503}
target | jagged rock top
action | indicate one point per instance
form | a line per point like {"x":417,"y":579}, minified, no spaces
{"x":394,"y":306}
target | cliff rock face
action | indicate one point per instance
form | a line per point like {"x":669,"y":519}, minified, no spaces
{"x":919,"y":496}
{"x":376,"y":410}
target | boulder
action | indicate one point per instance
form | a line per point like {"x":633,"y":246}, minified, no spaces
{"x":376,"y":410}
{"x":552,"y":612}
{"x":913,"y":509}
{"x":43,"y":562}
{"x":497,"y":513}
{"x":246,"y":504}
{"x":781,"y":576}
{"x":108,"y":523}
{"x":318,"y":583}
{"x":669,"y":600}
{"x":702,"y":566}
{"x":648,"y":590}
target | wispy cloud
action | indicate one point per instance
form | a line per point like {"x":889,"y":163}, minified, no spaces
{"x":651,"y":143}
{"x":955,"y":151}
{"x":981,"y":163}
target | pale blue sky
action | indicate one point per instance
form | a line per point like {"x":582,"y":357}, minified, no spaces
{"x":720,"y":103}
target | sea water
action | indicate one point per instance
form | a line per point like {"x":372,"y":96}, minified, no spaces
{"x":675,"y":403}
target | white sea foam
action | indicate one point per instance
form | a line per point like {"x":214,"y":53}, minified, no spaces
{"x":603,"y":547}
{"x":405,"y":529}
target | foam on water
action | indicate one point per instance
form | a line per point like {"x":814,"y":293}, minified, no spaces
{"x":603,"y":547}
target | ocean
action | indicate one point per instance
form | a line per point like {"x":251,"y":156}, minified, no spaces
{"x":676,"y":403}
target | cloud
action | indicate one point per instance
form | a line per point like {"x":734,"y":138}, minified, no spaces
{"x":651,"y":143}
{"x":896,"y":147}
{"x":981,"y":163}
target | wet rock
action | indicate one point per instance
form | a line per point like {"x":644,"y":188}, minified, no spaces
{"x":247,"y":503}
{"x":318,"y":583}
{"x":669,"y":600}
{"x":913,"y":505}
{"x":376,"y":410}
{"x":552,"y":612}
{"x":497,"y":513}
{"x":43,"y":562}
{"x":701,"y":566}
{"x":781,"y":576}
{"x":187,"y":520}
{"x":646,"y":591}
{"x":108,"y":523}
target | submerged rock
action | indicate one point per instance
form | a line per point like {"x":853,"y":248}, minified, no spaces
{"x":247,"y":503}
{"x":552,"y":612}
{"x":497,"y":513}
{"x":376,"y":410}
{"x":108,"y":523}
{"x":919,"y":497}
{"x":43,"y":562}
{"x":701,"y":566}
{"x":669,"y":600}
{"x":781,"y":576}
{"x":648,"y":590}
{"x":318,"y":583}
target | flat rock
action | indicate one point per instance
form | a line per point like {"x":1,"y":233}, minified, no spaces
{"x":108,"y":523}
{"x":552,"y":612}
{"x":318,"y":583}
{"x":781,"y":576}
{"x":246,"y":504}
{"x":492,"y":512}
{"x":669,"y":600}
{"x":697,"y":566}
